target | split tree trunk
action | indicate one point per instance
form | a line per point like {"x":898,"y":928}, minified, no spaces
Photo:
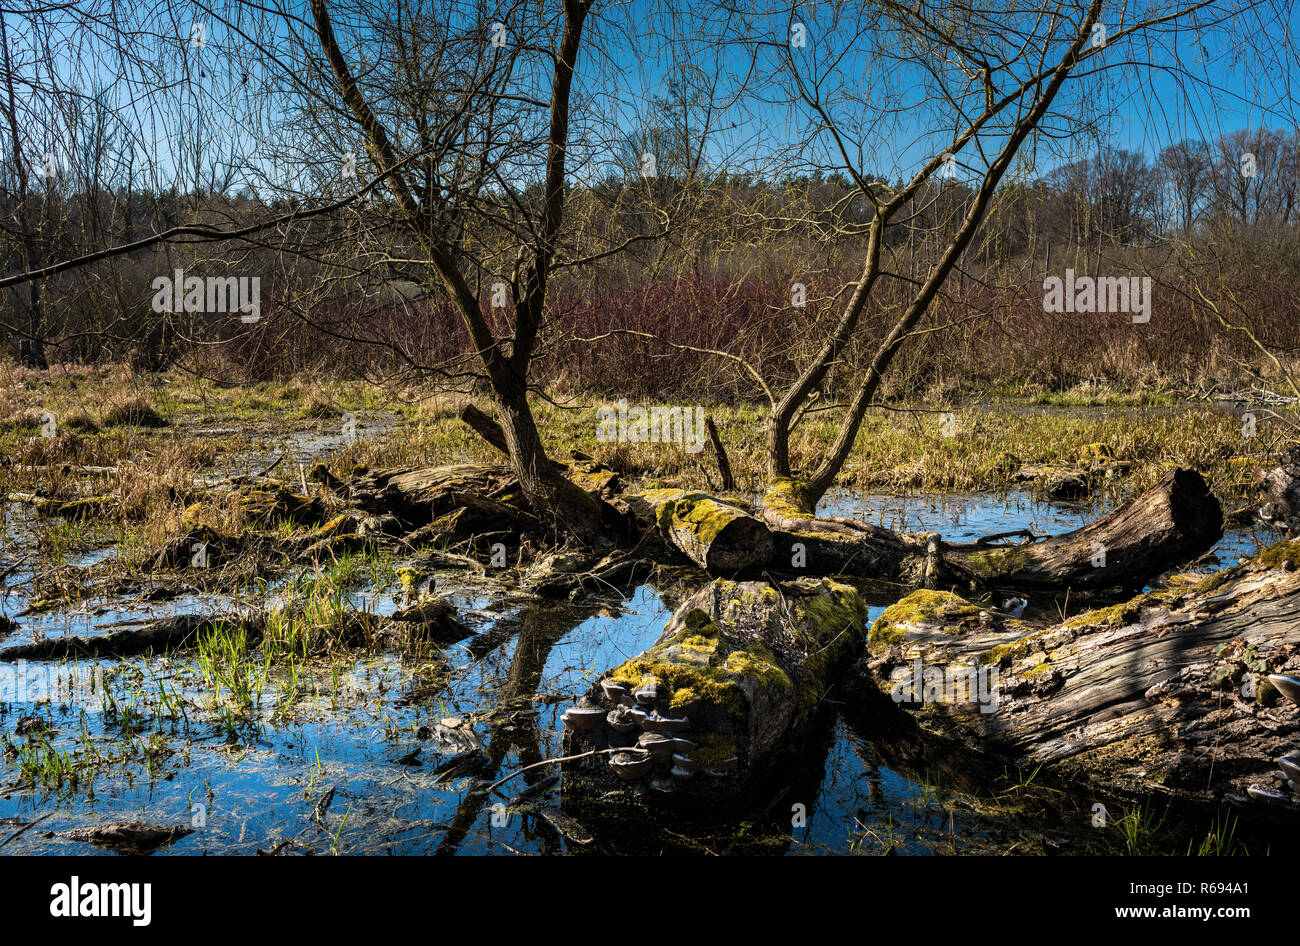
{"x":1165,"y":694}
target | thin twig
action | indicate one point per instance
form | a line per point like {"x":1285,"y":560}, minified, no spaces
{"x":536,"y":765}
{"x":26,"y":827}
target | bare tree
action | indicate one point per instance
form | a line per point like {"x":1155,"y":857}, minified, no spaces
{"x":967,"y":86}
{"x":1187,"y":167}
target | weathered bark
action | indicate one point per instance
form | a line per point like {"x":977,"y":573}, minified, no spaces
{"x":731,"y":687}
{"x":490,"y":430}
{"x":1170,"y":524}
{"x":1279,"y":489}
{"x":565,"y":508}
{"x":470,"y":500}
{"x":1164,"y":694}
{"x":418,"y":496}
{"x":1175,"y":521}
{"x":720,"y":536}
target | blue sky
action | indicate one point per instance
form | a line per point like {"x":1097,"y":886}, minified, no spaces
{"x":1184,"y":85}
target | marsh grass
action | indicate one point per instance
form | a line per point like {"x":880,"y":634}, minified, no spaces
{"x":314,"y":617}
{"x":134,"y":411}
{"x":900,"y":446}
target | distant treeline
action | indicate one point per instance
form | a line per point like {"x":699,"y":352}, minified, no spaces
{"x":1223,"y":211}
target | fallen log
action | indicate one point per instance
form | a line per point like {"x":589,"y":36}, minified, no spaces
{"x":467,"y":498}
{"x":719,"y":535}
{"x":1167,"y":694}
{"x":1168,"y":525}
{"x":1172,"y":523}
{"x":731,"y":687}
{"x":420,"y":495}
{"x":160,"y":635}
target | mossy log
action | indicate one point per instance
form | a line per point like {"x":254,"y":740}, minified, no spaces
{"x":719,"y":535}
{"x":1164,"y":694}
{"x":1166,"y":526}
{"x":729,"y":690}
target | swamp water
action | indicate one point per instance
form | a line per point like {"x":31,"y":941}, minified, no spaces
{"x":389,"y":754}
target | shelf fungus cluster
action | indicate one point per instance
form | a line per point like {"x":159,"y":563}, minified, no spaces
{"x":1289,"y":764}
{"x":731,"y":686}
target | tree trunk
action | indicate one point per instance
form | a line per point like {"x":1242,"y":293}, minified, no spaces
{"x":564,"y":507}
{"x":1172,"y":523}
{"x":1165,"y":694}
{"x":731,"y":687}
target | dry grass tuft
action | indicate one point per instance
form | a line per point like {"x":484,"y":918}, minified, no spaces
{"x":135,"y":411}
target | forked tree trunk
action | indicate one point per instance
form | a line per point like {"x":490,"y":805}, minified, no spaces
{"x":785,"y":412}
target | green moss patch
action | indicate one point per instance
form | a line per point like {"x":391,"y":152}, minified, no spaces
{"x":920,"y":606}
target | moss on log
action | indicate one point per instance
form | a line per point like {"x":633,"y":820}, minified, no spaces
{"x":717,"y":534}
{"x":1166,"y":693}
{"x":728,"y":690}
